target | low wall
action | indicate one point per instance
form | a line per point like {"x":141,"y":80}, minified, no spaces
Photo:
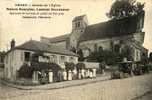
{"x":91,"y":64}
{"x":124,"y":89}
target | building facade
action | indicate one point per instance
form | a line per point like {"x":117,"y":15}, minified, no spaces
{"x":115,"y":33}
{"x":32,"y":51}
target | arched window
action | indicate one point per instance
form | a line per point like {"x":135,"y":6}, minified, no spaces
{"x":95,"y":47}
{"x":100,"y":49}
{"x":77,"y":24}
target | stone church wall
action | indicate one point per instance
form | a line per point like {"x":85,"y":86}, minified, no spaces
{"x":92,"y":44}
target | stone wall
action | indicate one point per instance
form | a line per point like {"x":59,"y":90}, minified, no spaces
{"x":104,"y":43}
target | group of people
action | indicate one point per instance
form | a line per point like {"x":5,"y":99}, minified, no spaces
{"x":64,"y":75}
{"x":76,"y":74}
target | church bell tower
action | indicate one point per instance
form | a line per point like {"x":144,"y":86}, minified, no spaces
{"x":79,"y":24}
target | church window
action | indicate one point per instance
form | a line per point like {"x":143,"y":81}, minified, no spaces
{"x":137,"y":54}
{"x":78,"y":24}
{"x":95,"y":47}
{"x":100,"y":48}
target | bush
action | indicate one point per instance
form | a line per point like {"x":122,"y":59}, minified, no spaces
{"x":80,"y":66}
{"x":69,"y":66}
{"x":25,"y":71}
{"x":125,"y":8}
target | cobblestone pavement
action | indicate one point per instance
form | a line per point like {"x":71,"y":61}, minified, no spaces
{"x":124,"y":89}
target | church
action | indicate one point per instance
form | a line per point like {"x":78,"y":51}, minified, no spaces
{"x":114,"y":35}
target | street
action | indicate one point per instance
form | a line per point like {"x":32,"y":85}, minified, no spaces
{"x":147,"y":96}
{"x":123,"y":89}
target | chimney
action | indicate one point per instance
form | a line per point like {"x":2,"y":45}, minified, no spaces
{"x":12,"y":43}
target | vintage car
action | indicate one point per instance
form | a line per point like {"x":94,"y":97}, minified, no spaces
{"x":129,"y":68}
{"x":123,"y":70}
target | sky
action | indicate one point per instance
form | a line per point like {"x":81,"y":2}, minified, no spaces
{"x":23,"y":30}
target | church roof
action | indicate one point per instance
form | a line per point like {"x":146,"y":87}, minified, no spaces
{"x":59,"y":38}
{"x":38,"y":46}
{"x":111,"y":28}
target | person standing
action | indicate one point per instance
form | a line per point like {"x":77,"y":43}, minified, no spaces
{"x":91,"y":73}
{"x":64,"y":75}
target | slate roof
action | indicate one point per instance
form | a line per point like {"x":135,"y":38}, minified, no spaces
{"x":111,"y":28}
{"x":66,"y":36}
{"x":43,"y":47}
{"x":59,"y":38}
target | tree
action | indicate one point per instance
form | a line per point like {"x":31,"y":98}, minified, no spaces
{"x":144,"y":58}
{"x":80,"y":53}
{"x":73,"y":50}
{"x":69,"y":66}
{"x":25,"y":71}
{"x":127,"y":52}
{"x":107,"y":56}
{"x":125,"y":8}
{"x":80,"y":66}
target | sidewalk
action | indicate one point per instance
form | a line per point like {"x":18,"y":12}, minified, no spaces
{"x":59,"y":85}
